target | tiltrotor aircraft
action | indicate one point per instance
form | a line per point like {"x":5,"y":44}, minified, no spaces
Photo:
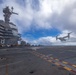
{"x":63,"y":38}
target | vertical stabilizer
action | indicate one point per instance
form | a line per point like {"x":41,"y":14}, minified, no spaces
{"x":56,"y":37}
{"x":69,"y":35}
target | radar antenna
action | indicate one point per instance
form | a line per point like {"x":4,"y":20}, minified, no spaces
{"x":7,"y":13}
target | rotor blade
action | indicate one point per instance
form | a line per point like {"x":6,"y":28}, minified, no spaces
{"x":69,"y":32}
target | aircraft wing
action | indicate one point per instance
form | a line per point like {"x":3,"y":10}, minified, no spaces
{"x":65,"y":37}
{"x":62,"y":39}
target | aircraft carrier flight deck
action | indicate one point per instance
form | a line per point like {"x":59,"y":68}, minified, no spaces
{"x":53,"y":60}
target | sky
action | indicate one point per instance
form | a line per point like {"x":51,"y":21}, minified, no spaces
{"x":40,"y":21}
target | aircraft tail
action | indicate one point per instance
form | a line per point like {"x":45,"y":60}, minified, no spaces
{"x":56,"y":37}
{"x":69,"y":35}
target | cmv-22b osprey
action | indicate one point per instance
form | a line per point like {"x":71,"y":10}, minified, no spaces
{"x":64,"y":38}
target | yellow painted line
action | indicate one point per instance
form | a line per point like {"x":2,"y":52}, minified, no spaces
{"x":49,"y":60}
{"x":57,"y":59}
{"x":64,"y":62}
{"x":74,"y":66}
{"x":57,"y":64}
{"x":6,"y":69}
{"x":69,"y":69}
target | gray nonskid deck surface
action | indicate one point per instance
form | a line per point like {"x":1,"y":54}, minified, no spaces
{"x":22,"y":62}
{"x":62,"y":53}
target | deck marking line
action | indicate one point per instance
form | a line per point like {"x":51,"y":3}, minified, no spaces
{"x":49,"y":60}
{"x":57,"y":64}
{"x":6,"y":69}
{"x":74,"y":66}
{"x":64,"y":62}
{"x":55,"y":61}
{"x":73,"y":71}
{"x":69,"y":69}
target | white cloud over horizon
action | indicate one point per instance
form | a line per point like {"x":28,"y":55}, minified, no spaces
{"x":49,"y":40}
{"x":60,"y":14}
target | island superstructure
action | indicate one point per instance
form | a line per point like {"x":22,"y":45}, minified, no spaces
{"x":8,"y":31}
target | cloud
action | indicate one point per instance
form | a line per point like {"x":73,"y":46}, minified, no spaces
{"x":43,"y":14}
{"x":49,"y":40}
{"x":44,"y":41}
{"x":67,"y":19}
